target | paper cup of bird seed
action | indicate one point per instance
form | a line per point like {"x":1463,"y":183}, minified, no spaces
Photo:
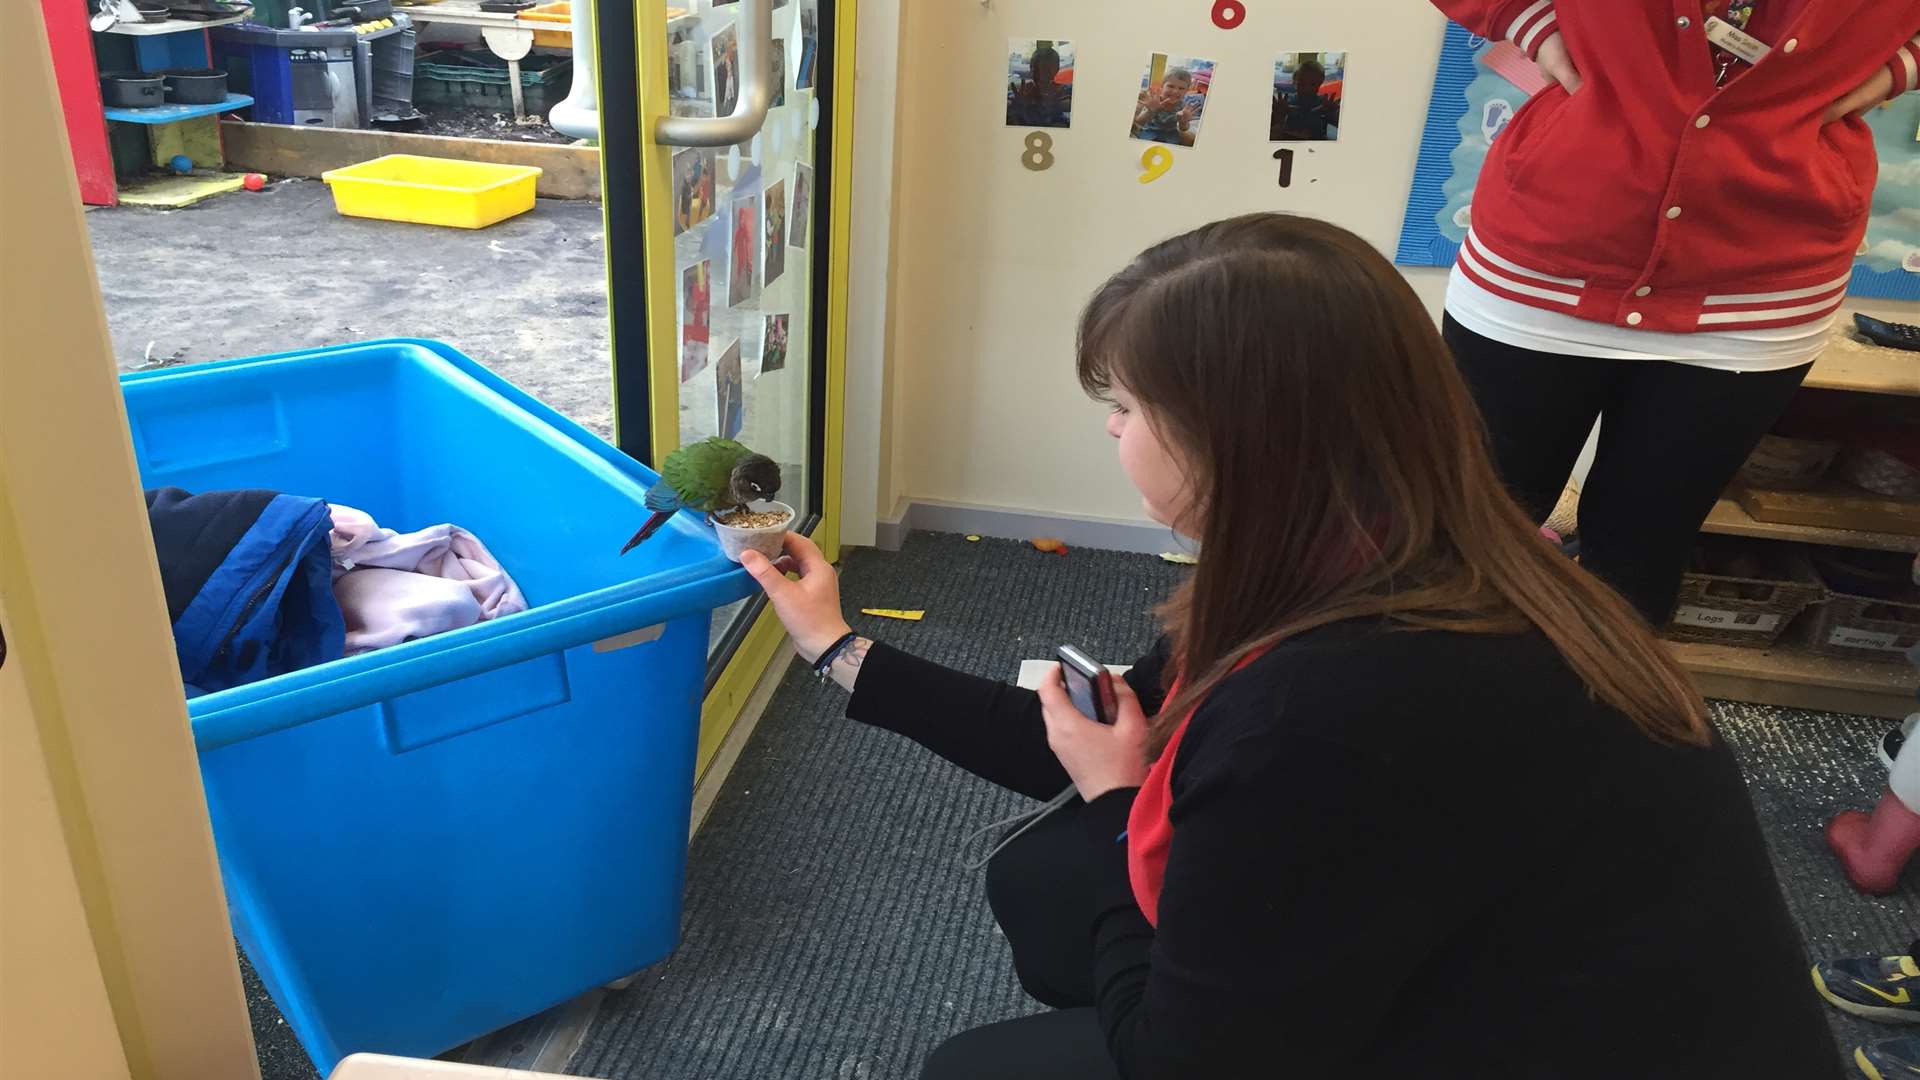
{"x":761,"y":527}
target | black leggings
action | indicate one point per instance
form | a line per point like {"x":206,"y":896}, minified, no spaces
{"x":1671,"y":438}
{"x":1041,"y":891}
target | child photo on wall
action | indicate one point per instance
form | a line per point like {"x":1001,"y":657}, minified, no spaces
{"x":696,"y":317}
{"x":809,"y":44}
{"x":801,"y":219}
{"x":726,"y":70}
{"x":1307,"y":89}
{"x":779,"y":65}
{"x":1173,"y":98}
{"x":773,"y":344}
{"x":746,"y":239}
{"x":729,"y":391}
{"x":775,"y":262}
{"x":692,"y":188}
{"x":1039,"y":83}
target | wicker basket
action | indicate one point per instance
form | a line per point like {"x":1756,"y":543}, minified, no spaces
{"x":1751,"y":609}
{"x":1862,"y":628}
{"x":1784,"y":463}
{"x":1880,"y":473}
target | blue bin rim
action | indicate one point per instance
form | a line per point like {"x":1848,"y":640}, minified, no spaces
{"x":299,"y":697}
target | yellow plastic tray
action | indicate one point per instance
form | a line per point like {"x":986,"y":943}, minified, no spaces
{"x":432,"y":191}
{"x":560,"y":11}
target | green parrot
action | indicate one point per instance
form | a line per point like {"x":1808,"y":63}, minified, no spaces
{"x":712,"y":475}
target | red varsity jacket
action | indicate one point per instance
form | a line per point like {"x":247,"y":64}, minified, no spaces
{"x":1653,"y":198}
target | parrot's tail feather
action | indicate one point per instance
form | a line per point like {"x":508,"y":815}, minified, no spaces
{"x":652,"y":526}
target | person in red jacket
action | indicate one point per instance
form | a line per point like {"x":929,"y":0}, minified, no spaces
{"x":1661,"y":240}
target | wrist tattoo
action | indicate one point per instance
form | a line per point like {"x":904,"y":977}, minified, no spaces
{"x":855,"y":654}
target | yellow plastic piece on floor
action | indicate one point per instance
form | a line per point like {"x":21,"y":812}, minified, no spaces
{"x":894,"y":613}
{"x":1179,"y":558}
{"x":174,"y":192}
{"x":433,"y":191}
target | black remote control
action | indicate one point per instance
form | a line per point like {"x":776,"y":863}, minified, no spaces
{"x":1891,"y":334}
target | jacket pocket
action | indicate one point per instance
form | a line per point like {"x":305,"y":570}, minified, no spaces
{"x":1519,"y":145}
{"x":1850,"y":158}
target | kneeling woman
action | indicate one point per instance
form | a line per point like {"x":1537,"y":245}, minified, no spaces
{"x":1402,"y":791}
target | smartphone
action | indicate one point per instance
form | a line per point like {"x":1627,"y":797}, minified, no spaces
{"x":1087,"y":684}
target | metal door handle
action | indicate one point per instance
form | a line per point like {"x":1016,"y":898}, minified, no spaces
{"x":755,"y":96}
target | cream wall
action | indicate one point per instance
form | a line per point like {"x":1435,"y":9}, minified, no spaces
{"x":992,"y":262}
{"x":968,"y":270}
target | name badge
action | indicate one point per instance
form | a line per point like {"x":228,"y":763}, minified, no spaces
{"x":1725,"y":35}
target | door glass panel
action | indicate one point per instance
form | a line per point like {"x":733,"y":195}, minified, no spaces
{"x":743,"y":222}
{"x":744,"y":237}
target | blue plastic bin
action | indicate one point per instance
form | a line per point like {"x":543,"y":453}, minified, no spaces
{"x":426,"y":843}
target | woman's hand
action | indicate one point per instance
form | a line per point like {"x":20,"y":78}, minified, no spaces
{"x":1099,"y":757}
{"x":1556,"y":64}
{"x":808,"y":608}
{"x":1862,"y":97}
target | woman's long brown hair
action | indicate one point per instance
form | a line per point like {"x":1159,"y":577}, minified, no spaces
{"x":1339,"y":466}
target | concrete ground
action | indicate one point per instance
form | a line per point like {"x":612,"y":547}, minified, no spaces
{"x":261,"y":272}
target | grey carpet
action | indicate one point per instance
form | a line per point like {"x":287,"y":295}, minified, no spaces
{"x":829,"y":932}
{"x":1801,"y":769}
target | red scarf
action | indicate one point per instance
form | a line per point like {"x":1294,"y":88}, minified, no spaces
{"x":1149,"y":826}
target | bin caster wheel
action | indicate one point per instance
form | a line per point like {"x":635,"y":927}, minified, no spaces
{"x":618,"y":985}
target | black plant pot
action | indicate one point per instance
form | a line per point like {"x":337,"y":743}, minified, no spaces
{"x":132,"y":89}
{"x":195,"y":86}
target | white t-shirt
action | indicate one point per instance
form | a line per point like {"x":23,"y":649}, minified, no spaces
{"x":1511,"y":323}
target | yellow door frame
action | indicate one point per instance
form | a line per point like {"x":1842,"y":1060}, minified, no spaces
{"x":117,"y":957}
{"x":757,"y":649}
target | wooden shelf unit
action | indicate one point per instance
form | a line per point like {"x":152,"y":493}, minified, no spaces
{"x":1852,"y":364}
{"x":1797,"y":679}
{"x":1730,"y":519}
{"x":1784,"y":675}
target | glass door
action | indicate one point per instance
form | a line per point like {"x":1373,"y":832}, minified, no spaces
{"x":721,"y":241}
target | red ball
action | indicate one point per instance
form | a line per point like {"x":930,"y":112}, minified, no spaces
{"x":253,"y":181}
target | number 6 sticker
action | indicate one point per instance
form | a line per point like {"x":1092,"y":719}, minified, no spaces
{"x":1229,"y":14}
{"x":1157,"y":160}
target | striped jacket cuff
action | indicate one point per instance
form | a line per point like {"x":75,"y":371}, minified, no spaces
{"x":1905,"y":67}
{"x":1531,"y":28}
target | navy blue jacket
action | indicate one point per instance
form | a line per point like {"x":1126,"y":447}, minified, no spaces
{"x":249,"y":584}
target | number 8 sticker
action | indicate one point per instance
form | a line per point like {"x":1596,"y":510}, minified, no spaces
{"x":1229,"y":14}
{"x":1039,"y":155}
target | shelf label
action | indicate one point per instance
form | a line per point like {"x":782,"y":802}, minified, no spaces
{"x":1852,"y":637}
{"x":1750,"y":621}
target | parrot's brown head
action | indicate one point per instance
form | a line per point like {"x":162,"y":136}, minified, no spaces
{"x":756,"y":477}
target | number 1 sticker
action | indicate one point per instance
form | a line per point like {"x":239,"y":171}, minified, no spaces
{"x":1284,"y":156}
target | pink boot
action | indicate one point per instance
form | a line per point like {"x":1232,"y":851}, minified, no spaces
{"x":1873,"y":849}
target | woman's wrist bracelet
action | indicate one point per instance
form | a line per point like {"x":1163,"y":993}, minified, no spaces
{"x":825,"y":663}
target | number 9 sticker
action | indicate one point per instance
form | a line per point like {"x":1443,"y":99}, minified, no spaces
{"x":1157,"y":160}
{"x":1229,"y":14}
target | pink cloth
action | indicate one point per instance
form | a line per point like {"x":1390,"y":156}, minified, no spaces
{"x":394,"y":587}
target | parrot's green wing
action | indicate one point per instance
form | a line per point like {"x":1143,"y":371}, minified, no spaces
{"x":699,"y":472}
